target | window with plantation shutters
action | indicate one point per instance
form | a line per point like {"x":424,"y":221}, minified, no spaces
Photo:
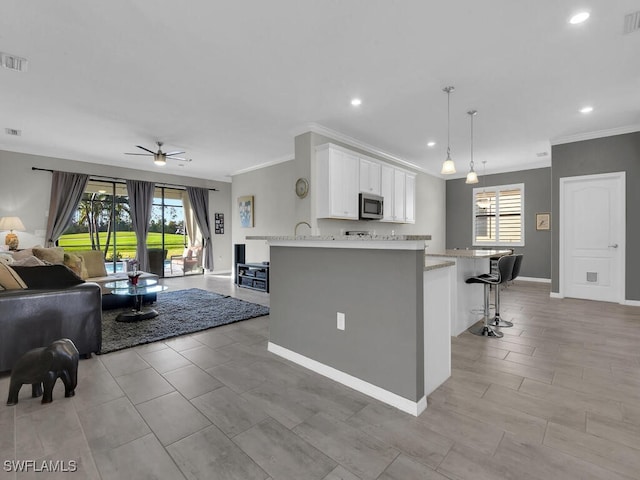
{"x":498,"y":216}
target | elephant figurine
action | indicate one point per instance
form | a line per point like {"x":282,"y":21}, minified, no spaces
{"x":41,"y":367}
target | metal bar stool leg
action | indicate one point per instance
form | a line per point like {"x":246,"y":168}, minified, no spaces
{"x":486,"y":330}
{"x":497,"y":320}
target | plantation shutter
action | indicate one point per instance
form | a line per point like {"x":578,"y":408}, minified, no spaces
{"x":498,"y":215}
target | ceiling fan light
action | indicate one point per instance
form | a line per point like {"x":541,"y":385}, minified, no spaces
{"x":472,"y":177}
{"x":448,"y":167}
{"x":160,"y":160}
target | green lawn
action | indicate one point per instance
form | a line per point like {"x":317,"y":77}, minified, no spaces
{"x":126,"y":242}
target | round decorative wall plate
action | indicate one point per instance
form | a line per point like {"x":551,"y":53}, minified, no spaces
{"x":302,"y":187}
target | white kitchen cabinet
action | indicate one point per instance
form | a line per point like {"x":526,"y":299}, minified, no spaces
{"x":337,"y":183}
{"x":386,"y":189}
{"x":399,"y":177}
{"x":369,"y":176}
{"x":410,"y":198}
{"x":398,"y":188}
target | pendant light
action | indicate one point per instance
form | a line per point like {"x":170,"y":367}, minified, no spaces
{"x":472,"y":176}
{"x":448,"y":167}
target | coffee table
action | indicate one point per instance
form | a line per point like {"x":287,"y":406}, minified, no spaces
{"x":144,"y":286}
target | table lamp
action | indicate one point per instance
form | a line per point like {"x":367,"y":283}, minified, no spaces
{"x":11,"y":224}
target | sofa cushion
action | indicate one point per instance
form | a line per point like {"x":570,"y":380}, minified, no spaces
{"x":76,"y":264}
{"x":94,"y":262}
{"x":20,"y":254}
{"x":10,"y":279}
{"x":48,"y":276}
{"x":28,"y":262}
{"x":50,"y":255}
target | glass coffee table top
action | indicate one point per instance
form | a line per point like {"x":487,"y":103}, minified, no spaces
{"x":142,"y":288}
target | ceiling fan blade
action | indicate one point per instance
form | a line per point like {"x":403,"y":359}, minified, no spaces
{"x":179,"y":159}
{"x":146,"y":149}
{"x":173,"y":153}
{"x":144,"y":154}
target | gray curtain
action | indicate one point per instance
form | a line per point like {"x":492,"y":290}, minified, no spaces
{"x":140,"y":205}
{"x":199,"y":198}
{"x":66,"y":193}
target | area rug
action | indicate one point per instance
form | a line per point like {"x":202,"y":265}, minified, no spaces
{"x":180,"y":312}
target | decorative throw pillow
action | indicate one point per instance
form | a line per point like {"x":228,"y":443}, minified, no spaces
{"x":48,"y":276}
{"x":6,"y":258}
{"x":76,"y":264}
{"x":21,"y":254}
{"x":10,"y":279}
{"x":94,"y":263}
{"x":28,"y":262}
{"x":50,"y":255}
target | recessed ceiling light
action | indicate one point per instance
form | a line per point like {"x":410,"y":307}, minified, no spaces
{"x":431,"y":144}
{"x":356,"y":102}
{"x":586,"y":109}
{"x":579,"y":18}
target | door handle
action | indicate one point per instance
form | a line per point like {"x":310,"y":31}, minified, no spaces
{"x":615,"y":245}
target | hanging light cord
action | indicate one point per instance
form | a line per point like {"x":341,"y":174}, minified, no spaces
{"x":472,"y":115}
{"x":448,"y":123}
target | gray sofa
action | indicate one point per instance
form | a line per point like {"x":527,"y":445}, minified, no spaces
{"x":33,"y":318}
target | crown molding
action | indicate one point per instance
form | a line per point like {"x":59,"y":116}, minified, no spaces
{"x":597,"y":134}
{"x":284,"y":158}
{"x":354,"y":142}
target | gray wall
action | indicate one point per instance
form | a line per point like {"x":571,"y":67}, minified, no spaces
{"x":381,"y":294}
{"x":618,"y":153}
{"x":25,"y":193}
{"x":275,"y":203}
{"x":537,"y":190}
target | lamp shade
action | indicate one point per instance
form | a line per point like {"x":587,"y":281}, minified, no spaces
{"x":472,"y":177}
{"x":11,"y":223}
{"x":448,"y":167}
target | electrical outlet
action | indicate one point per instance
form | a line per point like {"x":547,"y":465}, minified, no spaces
{"x":340,"y":318}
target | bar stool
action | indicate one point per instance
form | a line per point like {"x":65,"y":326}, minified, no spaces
{"x":505,"y":267}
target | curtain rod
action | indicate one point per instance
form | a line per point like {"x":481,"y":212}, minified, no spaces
{"x":123,"y":180}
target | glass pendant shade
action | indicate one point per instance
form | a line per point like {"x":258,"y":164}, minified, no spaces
{"x":448,"y":167}
{"x":472,"y":177}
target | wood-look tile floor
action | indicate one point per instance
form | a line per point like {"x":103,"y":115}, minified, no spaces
{"x":557,"y":398}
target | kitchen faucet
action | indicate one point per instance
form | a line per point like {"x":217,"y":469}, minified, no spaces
{"x":295,"y":229}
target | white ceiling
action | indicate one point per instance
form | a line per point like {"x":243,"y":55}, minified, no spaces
{"x":232,"y":82}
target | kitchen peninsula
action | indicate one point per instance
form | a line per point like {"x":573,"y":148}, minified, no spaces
{"x":364,"y":311}
{"x":466,"y":299}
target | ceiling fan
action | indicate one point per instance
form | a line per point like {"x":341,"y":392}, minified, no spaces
{"x":160,"y":157}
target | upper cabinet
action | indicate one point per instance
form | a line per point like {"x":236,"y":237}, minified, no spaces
{"x":341,"y":174}
{"x":369,"y":176}
{"x":337,"y":183}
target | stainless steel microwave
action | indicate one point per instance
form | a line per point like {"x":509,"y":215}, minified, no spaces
{"x":371,"y":206}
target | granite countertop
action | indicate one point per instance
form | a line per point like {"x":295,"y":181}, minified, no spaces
{"x":463,"y":253}
{"x":350,"y":238}
{"x":432,"y":264}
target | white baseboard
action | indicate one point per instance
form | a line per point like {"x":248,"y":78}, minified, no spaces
{"x":555,"y":295}
{"x":632,"y":303}
{"x":390,"y":398}
{"x":535,"y":279}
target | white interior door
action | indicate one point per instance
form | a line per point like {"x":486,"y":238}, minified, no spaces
{"x":592,"y":235}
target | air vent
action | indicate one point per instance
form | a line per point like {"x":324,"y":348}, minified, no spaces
{"x":13,"y":62}
{"x":632,"y":22}
{"x":542,"y":154}
{"x":13,"y":131}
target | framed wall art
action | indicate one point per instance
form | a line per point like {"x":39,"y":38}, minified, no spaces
{"x":245,"y":209}
{"x":219,"y":223}
{"x":543,"y":221}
